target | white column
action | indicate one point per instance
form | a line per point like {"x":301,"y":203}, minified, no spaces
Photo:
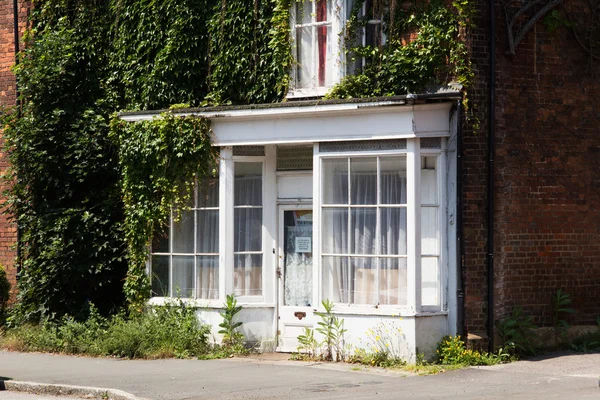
{"x":226,"y":177}
{"x":413,"y":172}
{"x":317,"y":269}
{"x":270,"y":225}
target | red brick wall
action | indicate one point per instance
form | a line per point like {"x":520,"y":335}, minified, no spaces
{"x":7,"y":98}
{"x":547,"y":177}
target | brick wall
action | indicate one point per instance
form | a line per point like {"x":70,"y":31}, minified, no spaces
{"x":547,"y":177}
{"x":7,"y":98}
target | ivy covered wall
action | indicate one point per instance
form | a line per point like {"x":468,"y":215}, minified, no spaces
{"x":76,"y":179}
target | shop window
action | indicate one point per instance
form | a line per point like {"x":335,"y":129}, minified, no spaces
{"x":185,"y":254}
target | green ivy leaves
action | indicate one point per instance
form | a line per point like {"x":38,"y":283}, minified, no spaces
{"x":159,"y":161}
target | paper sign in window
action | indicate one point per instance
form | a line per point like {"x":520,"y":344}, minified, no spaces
{"x":303,"y":244}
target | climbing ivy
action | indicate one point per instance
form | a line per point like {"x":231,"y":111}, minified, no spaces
{"x":159,"y":161}
{"x":423,"y":47}
{"x":63,"y":168}
{"x":249,"y":52}
{"x":88,"y":193}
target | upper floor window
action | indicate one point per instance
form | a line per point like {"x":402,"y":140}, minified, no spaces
{"x":314,"y":44}
{"x":318,"y":41}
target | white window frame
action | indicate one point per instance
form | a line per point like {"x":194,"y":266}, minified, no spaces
{"x":337,"y":27}
{"x":230,"y":248}
{"x":413,"y":154}
{"x":193,"y":254}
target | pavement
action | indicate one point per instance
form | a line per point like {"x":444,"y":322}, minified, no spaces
{"x":553,"y":376}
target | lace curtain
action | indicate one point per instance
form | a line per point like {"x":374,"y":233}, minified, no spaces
{"x":247,"y":271}
{"x":354,"y":231}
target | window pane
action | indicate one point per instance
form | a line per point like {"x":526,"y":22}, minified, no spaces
{"x":248,"y":229}
{"x":363,"y":180}
{"x":362,"y":228}
{"x":247,"y":275}
{"x":393,"y":180}
{"x":393,"y":231}
{"x":248,"y":184}
{"x":335,"y":230}
{"x":335,"y":181}
{"x":160,"y":239}
{"x":207,"y":277}
{"x":428,"y":181}
{"x":362,"y":279}
{"x":430,"y":278}
{"x":335,"y":275}
{"x":160,"y":276}
{"x":392,"y":281}
{"x":429,"y":237}
{"x":208,"y":193}
{"x":208,"y":231}
{"x":374,"y":35}
{"x":183,"y":233}
{"x":183,"y":276}
{"x":304,"y":11}
{"x":304,"y":56}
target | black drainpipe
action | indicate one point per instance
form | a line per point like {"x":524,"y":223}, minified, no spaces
{"x":460,"y":288}
{"x":16,"y":39}
{"x":490,"y":187}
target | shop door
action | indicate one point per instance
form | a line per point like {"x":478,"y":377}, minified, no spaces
{"x":295,"y":275}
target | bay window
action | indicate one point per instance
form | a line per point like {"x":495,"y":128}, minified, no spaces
{"x":365,"y":206}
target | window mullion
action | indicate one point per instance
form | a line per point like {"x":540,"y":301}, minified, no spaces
{"x":171,"y":231}
{"x":378,"y":230}
{"x":196,"y":249}
{"x":349,"y":248}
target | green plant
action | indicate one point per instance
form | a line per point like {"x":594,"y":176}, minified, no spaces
{"x":172,"y":330}
{"x":231,"y":335}
{"x":561,"y":302}
{"x":516,"y":332}
{"x":307,"y":344}
{"x":159,"y":161}
{"x":452,"y":351}
{"x":383,"y":346}
{"x":332,"y":329}
{"x":4,"y":295}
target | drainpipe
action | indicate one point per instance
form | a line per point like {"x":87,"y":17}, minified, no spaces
{"x":18,"y":110}
{"x":460,"y":288}
{"x":490,"y":187}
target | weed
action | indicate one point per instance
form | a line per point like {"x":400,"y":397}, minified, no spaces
{"x":231,"y":335}
{"x":516,"y":332}
{"x":332,"y":328}
{"x":307,"y":344}
{"x":561,"y":302}
{"x":382,"y":346}
{"x":452,"y":351}
{"x":172,"y":330}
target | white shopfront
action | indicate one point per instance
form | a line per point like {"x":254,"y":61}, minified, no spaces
{"x":348,"y":201}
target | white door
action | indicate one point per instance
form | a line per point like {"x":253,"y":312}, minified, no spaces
{"x":295,"y":274}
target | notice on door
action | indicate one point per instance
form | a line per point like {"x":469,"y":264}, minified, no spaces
{"x":303,"y":244}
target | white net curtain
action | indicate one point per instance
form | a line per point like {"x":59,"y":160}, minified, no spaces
{"x":364,"y":230}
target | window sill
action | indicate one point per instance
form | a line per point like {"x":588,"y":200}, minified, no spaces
{"x":297,"y":94}
{"x":205,"y":303}
{"x":381,"y":311}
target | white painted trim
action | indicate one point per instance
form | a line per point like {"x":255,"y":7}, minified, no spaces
{"x":389,"y":106}
{"x":226,"y":219}
{"x":317,"y":268}
{"x":270,"y":224}
{"x":413,"y":173}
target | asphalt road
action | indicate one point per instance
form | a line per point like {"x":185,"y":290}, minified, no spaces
{"x":557,"y":376}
